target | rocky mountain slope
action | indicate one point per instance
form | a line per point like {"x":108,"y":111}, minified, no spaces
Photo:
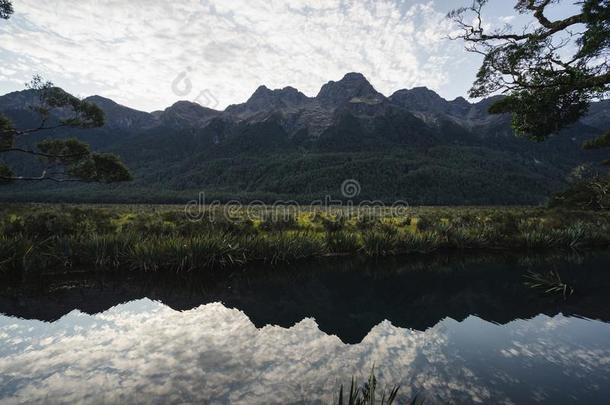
{"x":413,"y":145}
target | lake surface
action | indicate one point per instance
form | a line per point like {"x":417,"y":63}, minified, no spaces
{"x":451,"y":328}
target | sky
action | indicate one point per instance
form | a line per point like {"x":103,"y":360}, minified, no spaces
{"x":145,"y":352}
{"x":148,"y":54}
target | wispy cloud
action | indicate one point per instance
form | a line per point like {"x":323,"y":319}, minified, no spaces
{"x":133,"y":51}
{"x":145,"y":352}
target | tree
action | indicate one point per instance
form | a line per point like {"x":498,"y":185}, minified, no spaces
{"x":550,"y":71}
{"x":6,"y":9}
{"x":599,"y":143}
{"x":63,"y":159}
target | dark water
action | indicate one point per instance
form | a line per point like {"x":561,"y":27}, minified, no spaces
{"x":451,"y":328}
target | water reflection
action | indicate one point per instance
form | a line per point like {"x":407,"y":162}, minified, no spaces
{"x":347,"y":297}
{"x":145,"y":352}
{"x":459,"y":329}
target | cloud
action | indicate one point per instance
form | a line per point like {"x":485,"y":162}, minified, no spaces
{"x":132,"y":51}
{"x":145,"y":352}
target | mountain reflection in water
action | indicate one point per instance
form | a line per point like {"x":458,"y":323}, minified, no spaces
{"x":145,"y":352}
{"x":456,"y":330}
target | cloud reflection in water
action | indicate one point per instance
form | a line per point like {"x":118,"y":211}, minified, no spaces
{"x":144,"y":352}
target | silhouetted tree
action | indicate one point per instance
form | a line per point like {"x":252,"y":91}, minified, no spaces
{"x":6,"y":9}
{"x":63,"y":159}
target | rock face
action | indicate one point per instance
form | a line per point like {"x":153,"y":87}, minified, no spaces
{"x":265,"y":100}
{"x":422,"y":99}
{"x":353,"y":87}
{"x":185,"y":114}
{"x":417,"y":116}
{"x":432,"y":108}
{"x":300,"y":115}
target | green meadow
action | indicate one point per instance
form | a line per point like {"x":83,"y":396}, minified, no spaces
{"x":47,"y":239}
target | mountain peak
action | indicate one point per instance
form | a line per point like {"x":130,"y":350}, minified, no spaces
{"x":120,"y":117}
{"x":21,"y":99}
{"x":264,"y":99}
{"x":352,"y":85}
{"x":285,"y":94}
{"x":419,"y":99}
{"x":354,"y":76}
{"x":260,"y":91}
{"x":186,"y":105}
{"x":186,"y":113}
{"x":99,"y":101}
{"x":420,"y":91}
{"x":460,"y":101}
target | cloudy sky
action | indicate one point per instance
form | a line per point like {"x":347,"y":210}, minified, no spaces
{"x":145,"y":352}
{"x":148,"y":54}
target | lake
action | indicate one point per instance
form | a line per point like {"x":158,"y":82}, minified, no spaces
{"x":451,"y":328}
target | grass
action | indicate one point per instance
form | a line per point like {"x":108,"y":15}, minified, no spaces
{"x":549,"y":283}
{"x":367,"y":394}
{"x":64,"y":238}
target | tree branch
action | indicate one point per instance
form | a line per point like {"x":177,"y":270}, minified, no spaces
{"x":41,"y":128}
{"x":476,"y":33}
{"x":40,"y":154}
{"x":539,"y":12}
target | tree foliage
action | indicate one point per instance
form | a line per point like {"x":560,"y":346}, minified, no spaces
{"x":6,"y":9}
{"x":550,"y":71}
{"x":63,"y":159}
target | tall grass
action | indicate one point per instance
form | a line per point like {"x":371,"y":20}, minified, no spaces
{"x":185,"y":255}
{"x":285,"y":247}
{"x":52,"y":238}
{"x":343,"y":242}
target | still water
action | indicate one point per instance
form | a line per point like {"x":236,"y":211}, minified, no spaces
{"x":451,"y":329}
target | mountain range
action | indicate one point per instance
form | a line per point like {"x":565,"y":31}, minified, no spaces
{"x":281,"y":144}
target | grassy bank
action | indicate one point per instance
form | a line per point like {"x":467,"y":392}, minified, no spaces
{"x":55,"y":238}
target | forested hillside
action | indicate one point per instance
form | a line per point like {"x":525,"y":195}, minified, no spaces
{"x":414,"y":146}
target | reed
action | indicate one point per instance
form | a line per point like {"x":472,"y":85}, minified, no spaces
{"x":368,"y":393}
